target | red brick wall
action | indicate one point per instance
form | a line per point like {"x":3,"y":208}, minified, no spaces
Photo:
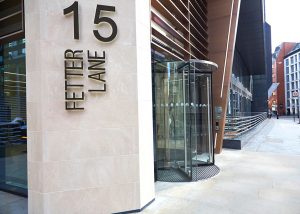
{"x":285,"y":49}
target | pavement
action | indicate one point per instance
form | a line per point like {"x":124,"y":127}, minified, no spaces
{"x":263,"y":177}
{"x":12,"y":204}
{"x":280,"y":136}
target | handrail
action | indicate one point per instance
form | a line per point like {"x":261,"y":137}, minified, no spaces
{"x":236,"y":126}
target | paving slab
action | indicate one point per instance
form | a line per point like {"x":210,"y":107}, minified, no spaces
{"x":263,"y":177}
{"x":12,"y":204}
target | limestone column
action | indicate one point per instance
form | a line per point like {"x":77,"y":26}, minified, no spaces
{"x":98,"y":159}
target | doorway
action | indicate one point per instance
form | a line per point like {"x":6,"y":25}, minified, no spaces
{"x":183,"y":119}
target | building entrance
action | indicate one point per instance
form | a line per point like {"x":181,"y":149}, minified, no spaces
{"x":183,"y":119}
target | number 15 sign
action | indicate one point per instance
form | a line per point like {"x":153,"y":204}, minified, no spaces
{"x":97,"y":21}
{"x":74,"y":60}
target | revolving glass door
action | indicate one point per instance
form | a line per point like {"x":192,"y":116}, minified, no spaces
{"x":183,"y":119}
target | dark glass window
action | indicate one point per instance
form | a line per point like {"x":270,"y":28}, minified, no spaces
{"x":13,"y":129}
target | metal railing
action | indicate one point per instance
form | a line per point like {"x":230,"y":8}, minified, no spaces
{"x":236,"y":126}
{"x":238,"y":86}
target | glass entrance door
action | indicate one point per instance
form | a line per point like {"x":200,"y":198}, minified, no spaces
{"x":170,"y":82}
{"x":182,"y":110}
{"x":200,"y":118}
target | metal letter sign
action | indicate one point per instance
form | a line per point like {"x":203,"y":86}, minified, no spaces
{"x":74,"y":8}
{"x":98,"y":20}
{"x":295,"y":93}
{"x":74,"y":59}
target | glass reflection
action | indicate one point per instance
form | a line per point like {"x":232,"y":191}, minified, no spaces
{"x":182,"y":108}
{"x":13,"y":140}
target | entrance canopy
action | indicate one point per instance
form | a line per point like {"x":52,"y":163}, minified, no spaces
{"x":272,"y":88}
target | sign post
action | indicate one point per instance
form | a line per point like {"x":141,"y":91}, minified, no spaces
{"x":296,"y":95}
{"x":294,"y":112}
{"x":299,"y":107}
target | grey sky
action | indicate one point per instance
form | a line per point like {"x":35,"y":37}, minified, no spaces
{"x":284,"y":18}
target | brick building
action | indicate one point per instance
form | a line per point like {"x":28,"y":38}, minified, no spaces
{"x":292,"y":77}
{"x":277,"y":100}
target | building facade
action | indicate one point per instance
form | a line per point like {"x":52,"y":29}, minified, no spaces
{"x":119,"y":94}
{"x":252,"y":59}
{"x":268,"y":50}
{"x":13,"y":119}
{"x":292,"y":78}
{"x":277,"y":102}
{"x":247,"y":101}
